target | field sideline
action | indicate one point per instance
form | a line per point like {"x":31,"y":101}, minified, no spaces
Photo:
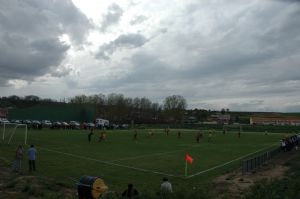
{"x":65,"y":155}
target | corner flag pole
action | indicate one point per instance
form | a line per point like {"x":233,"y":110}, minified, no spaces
{"x":186,"y":169}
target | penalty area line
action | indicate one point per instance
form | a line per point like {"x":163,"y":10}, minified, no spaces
{"x":147,"y":155}
{"x":110,"y":163}
{"x":226,"y":163}
{"x":158,"y":154}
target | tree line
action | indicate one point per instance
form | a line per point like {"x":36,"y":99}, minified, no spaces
{"x":115,"y":107}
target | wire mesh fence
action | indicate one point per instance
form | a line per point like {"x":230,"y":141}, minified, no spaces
{"x":253,"y":163}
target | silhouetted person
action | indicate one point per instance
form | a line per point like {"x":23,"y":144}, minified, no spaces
{"x":130,"y":192}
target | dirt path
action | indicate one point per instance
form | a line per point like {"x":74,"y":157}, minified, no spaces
{"x":235,"y":183}
{"x":17,"y":185}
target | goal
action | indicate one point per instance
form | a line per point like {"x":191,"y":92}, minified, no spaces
{"x":232,"y":128}
{"x":14,"y":132}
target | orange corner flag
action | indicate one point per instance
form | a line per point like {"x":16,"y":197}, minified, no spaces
{"x":188,"y":158}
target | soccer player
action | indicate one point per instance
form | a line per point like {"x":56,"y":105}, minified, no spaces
{"x":102,"y":136}
{"x":135,"y":135}
{"x":150,"y":132}
{"x":167,"y":130}
{"x":90,"y":135}
{"x":179,"y":134}
{"x":210,"y":136}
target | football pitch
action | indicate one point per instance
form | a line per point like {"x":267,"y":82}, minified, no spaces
{"x":66,"y":155}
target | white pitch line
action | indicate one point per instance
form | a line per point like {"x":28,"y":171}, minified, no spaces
{"x":221,"y":165}
{"x":147,"y":155}
{"x":110,"y":163}
{"x":156,"y":154}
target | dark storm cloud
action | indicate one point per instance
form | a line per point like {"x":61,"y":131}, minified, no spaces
{"x":21,"y":58}
{"x":112,"y":17}
{"x":29,"y":36}
{"x":128,"y":41}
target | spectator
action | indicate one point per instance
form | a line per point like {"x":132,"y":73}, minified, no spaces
{"x":18,"y":158}
{"x":130,"y":192}
{"x":32,"y":156}
{"x":283,"y":145}
{"x":166,"y":187}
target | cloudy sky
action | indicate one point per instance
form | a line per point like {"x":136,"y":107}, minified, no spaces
{"x":237,"y":54}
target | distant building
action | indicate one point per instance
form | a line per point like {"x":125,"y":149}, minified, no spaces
{"x":293,"y":121}
{"x":219,"y":118}
{"x":3,"y":113}
{"x":190,"y":120}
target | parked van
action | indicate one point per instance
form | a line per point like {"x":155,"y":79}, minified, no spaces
{"x":101,"y":123}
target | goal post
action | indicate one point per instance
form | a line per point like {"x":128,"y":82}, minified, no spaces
{"x":10,"y":129}
{"x":233,"y":127}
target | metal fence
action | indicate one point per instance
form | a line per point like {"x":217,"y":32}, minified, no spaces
{"x":255,"y":162}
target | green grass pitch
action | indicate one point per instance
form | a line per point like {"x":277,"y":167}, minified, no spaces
{"x":65,"y":155}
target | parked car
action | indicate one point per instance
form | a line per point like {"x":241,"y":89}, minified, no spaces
{"x":90,"y":125}
{"x":65,"y":125}
{"x":28,"y":122}
{"x":36,"y":124}
{"x":46,"y":123}
{"x":3,"y":120}
{"x":16,"y":121}
{"x":56,"y":124}
{"x":124,"y":126}
{"x":74,"y":125}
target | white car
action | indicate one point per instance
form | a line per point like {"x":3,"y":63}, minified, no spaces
{"x":46,"y":123}
{"x":3,"y":120}
{"x":90,"y":125}
{"x":74,"y":125}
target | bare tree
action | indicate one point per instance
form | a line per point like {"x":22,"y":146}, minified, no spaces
{"x":174,"y":107}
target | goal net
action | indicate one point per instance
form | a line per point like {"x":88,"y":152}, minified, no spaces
{"x":14,"y":133}
{"x":232,"y":128}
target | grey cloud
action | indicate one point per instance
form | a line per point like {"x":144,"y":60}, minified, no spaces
{"x":128,"y":41}
{"x":44,"y":18}
{"x":256,"y":53}
{"x":112,"y":16}
{"x":62,"y":71}
{"x":260,"y":39}
{"x":258,"y":105}
{"x":290,"y":1}
{"x":138,"y":19}
{"x":292,"y":107}
{"x":29,"y":36}
{"x":20,"y":58}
